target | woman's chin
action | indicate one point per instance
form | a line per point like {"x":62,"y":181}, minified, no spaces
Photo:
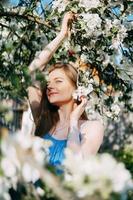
{"x":60,"y":103}
{"x":55,"y":103}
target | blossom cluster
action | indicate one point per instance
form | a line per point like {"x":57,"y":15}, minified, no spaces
{"x":96,"y":177}
{"x":97,"y":38}
{"x":22,"y":158}
{"x":60,"y":5}
{"x":89,"y":4}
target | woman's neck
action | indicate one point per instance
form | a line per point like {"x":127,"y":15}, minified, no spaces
{"x":65,"y":111}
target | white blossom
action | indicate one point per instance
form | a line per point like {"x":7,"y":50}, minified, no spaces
{"x":122,"y":33}
{"x":5,"y":32}
{"x":96,"y":173}
{"x":40,"y":191}
{"x":60,"y":5}
{"x":115,"y":44}
{"x":90,"y":88}
{"x":93,"y":23}
{"x":88,"y":4}
{"x":30,"y":173}
{"x":106,"y":60}
{"x":5,"y":55}
{"x":83,"y":58}
{"x":66,"y":44}
{"x":82,"y":91}
{"x":115,"y":109}
{"x":4,"y":189}
{"x":23,"y":154}
{"x":7,"y":163}
{"x":108,"y":25}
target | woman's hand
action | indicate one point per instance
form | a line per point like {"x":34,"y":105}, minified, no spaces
{"x":78,"y":110}
{"x":69,"y":17}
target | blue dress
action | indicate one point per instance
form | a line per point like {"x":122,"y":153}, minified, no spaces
{"x":56,"y":151}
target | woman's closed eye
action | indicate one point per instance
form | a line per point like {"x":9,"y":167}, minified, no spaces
{"x":58,"y":81}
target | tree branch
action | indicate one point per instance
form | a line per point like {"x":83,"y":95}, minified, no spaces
{"x":26,"y":17}
{"x":8,"y":27}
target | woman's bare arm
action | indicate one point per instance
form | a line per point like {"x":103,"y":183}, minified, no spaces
{"x":40,"y":61}
{"x":91,"y":133}
{"x":46,"y":54}
{"x":34,"y":93}
{"x":34,"y":97}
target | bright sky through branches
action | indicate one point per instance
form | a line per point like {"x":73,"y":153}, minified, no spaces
{"x":15,"y":2}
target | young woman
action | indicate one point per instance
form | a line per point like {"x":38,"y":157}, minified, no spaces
{"x":58,"y":117}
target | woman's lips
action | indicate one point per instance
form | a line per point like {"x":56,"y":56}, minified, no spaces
{"x":52,"y":93}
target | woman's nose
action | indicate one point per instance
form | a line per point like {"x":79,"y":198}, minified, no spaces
{"x":50,"y":86}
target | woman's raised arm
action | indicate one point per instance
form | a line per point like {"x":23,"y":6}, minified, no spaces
{"x":40,"y":61}
{"x":34,"y":93}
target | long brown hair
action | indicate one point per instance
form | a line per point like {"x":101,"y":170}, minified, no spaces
{"x":47,"y":116}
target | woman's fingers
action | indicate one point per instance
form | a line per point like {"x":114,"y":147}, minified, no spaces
{"x":70,"y":15}
{"x":75,"y":106}
{"x":83,"y":101}
{"x":67,"y":22}
{"x":71,"y":18}
{"x":79,"y":109}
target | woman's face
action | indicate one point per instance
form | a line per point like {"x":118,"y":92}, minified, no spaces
{"x":59,"y":88}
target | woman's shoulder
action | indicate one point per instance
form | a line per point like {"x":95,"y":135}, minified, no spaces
{"x":92,"y":129}
{"x":87,"y":124}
